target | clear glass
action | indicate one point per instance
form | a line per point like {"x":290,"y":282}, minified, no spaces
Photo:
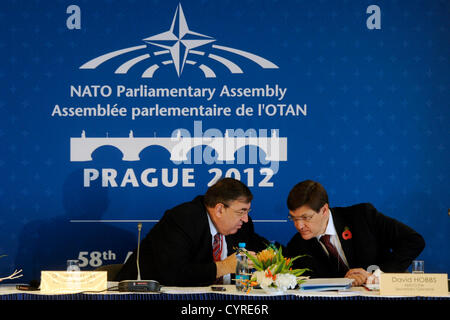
{"x":418,"y":266}
{"x":73,"y":265}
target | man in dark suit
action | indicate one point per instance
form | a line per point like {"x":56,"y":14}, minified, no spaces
{"x":343,"y":242}
{"x":194,"y":243}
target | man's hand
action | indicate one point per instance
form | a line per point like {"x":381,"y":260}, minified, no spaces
{"x":228,"y":265}
{"x":359,"y":275}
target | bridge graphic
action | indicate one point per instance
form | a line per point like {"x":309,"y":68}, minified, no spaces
{"x":275,"y":147}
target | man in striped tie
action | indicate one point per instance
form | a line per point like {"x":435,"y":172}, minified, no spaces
{"x":346,"y":241}
{"x":194,"y":243}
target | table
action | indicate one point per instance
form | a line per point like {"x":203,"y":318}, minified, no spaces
{"x":177,"y":302}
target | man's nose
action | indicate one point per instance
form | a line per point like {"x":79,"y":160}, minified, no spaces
{"x":245,"y":218}
{"x":299,"y":224}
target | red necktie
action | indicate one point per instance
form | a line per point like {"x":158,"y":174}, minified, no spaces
{"x":217,"y":247}
{"x":217,"y":252}
{"x":333,"y":253}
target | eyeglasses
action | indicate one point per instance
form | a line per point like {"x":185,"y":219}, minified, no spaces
{"x":240,"y":213}
{"x":302,"y":218}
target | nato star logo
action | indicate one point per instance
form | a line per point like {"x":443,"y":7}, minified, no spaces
{"x":178,"y":42}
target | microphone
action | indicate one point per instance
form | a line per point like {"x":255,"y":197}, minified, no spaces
{"x":139,"y":285}
{"x":138,"y":250}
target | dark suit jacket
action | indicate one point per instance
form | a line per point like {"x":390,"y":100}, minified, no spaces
{"x":178,"y":249}
{"x":376,"y":240}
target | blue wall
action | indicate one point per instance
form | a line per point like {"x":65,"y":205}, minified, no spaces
{"x":369,"y":117}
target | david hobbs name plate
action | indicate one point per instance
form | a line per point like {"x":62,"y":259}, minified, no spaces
{"x":406,"y":284}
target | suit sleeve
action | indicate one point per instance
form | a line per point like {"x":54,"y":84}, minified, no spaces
{"x":403,"y":243}
{"x":174,"y":261}
{"x":295,"y":248}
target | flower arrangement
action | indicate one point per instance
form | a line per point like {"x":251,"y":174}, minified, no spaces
{"x":274,"y":271}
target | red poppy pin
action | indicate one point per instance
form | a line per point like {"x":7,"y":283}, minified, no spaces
{"x":346,"y":235}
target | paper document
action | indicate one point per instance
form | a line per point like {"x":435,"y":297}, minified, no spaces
{"x":326,"y":284}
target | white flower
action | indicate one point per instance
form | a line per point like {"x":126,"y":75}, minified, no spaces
{"x":262,"y":280}
{"x":286,"y":281}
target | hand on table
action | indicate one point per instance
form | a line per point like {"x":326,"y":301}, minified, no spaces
{"x":359,"y":275}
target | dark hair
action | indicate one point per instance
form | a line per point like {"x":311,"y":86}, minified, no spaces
{"x":309,"y":193}
{"x":226,"y":190}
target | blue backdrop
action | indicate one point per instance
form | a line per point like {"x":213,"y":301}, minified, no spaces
{"x":353,"y":95}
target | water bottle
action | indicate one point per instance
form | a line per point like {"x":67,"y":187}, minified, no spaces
{"x":242,"y":272}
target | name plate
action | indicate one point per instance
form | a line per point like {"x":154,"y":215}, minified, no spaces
{"x":407,"y":284}
{"x":59,"y":282}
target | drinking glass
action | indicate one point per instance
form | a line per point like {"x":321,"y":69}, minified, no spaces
{"x":73,"y":265}
{"x":418,"y":266}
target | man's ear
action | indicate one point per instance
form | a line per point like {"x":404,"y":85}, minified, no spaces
{"x":218,"y":210}
{"x":326,"y":208}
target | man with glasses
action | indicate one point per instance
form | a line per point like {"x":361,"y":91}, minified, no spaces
{"x":344,"y":242}
{"x":194,"y":243}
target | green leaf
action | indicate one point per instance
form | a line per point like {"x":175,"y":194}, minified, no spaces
{"x":258,"y":265}
{"x":278,"y":268}
{"x":299,"y":272}
{"x":279,"y":255}
{"x":295,"y":258}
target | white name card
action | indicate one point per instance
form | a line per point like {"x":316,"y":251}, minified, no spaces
{"x":58,"y":282}
{"x":407,"y":284}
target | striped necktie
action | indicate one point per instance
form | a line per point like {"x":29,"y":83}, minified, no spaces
{"x":217,"y":252}
{"x":217,"y":247}
{"x":333,"y":253}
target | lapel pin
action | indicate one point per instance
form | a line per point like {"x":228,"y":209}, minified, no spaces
{"x":346,"y":235}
